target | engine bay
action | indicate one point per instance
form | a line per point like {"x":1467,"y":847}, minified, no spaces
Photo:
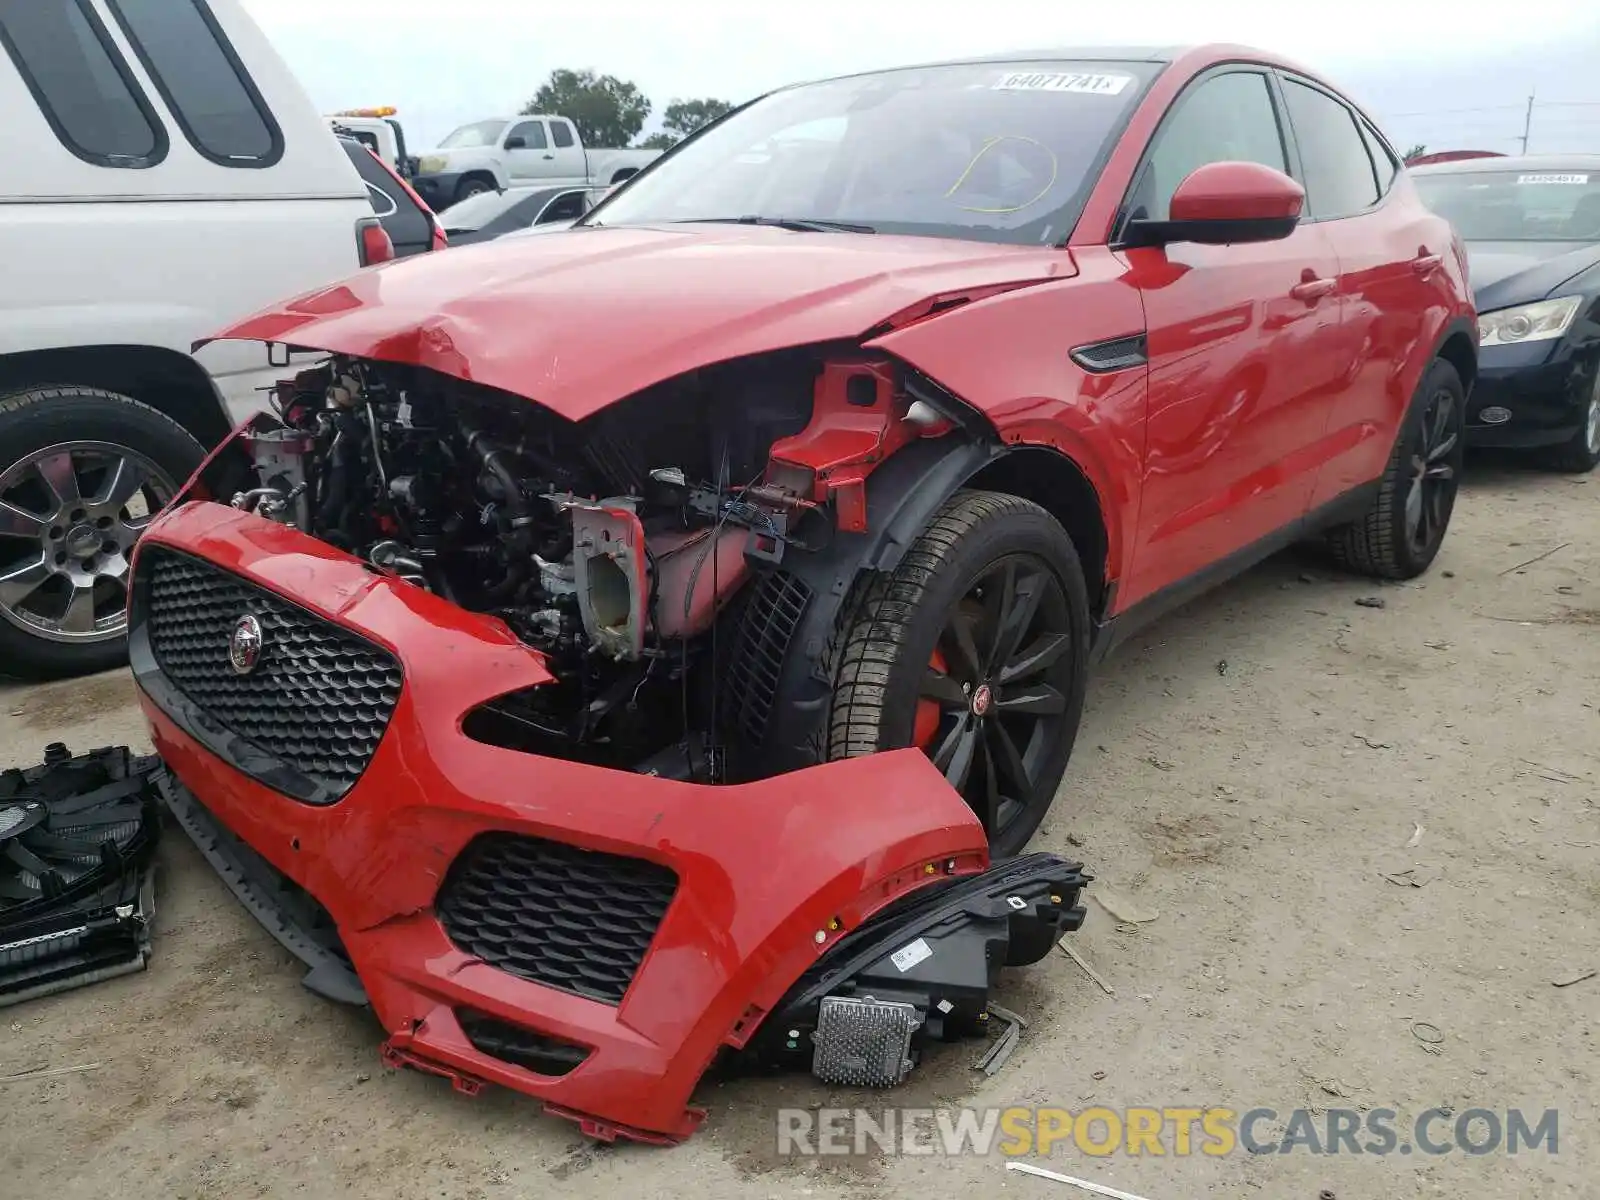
{"x":620,"y":547}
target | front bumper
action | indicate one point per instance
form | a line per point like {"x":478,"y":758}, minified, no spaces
{"x":438,"y":190}
{"x":769,"y":876}
{"x":1545,"y":386}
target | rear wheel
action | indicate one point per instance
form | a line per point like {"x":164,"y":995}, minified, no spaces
{"x":976,"y":649}
{"x":1400,"y":534}
{"x":82,"y":471}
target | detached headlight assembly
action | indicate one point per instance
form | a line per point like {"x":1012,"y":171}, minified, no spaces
{"x":1537,"y":322}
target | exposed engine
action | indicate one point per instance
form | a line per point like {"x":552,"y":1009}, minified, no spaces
{"x":612,"y":545}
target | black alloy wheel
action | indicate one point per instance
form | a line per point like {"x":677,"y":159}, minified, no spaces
{"x":1434,"y":472}
{"x":975,"y":648}
{"x":1003,"y":696}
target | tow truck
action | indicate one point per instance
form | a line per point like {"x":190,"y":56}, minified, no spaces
{"x":380,"y":131}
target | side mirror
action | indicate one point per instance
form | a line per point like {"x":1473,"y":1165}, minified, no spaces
{"x":516,"y":142}
{"x":1224,"y":203}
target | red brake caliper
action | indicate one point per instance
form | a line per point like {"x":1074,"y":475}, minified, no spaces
{"x":928,"y":712}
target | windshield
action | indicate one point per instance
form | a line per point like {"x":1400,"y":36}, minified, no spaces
{"x":479,"y":133}
{"x":475,"y":212}
{"x":996,"y":152}
{"x":1516,"y":206}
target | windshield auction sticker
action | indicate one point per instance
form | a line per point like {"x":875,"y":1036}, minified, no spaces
{"x":1047,"y":81}
{"x":1552,"y":179}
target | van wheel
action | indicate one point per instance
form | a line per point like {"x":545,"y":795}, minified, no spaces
{"x":475,"y":186}
{"x":82,"y":471}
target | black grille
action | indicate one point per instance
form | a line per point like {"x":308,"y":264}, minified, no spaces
{"x":321,"y":697}
{"x":577,"y":920}
{"x":536,"y":1052}
{"x":770,"y":617}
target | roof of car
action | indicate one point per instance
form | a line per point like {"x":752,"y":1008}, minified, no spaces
{"x":1520,"y":162}
{"x":1153,"y":54}
{"x":1162,"y":55}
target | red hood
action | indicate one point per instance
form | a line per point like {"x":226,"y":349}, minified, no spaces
{"x":579,"y":320}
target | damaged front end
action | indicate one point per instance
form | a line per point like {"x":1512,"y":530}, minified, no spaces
{"x":483,"y":713}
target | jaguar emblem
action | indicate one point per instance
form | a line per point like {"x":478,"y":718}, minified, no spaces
{"x":244,"y":647}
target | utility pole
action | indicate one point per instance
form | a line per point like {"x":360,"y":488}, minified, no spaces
{"x":1527,"y":123}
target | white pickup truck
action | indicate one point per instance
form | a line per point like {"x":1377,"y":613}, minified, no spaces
{"x":516,"y":152}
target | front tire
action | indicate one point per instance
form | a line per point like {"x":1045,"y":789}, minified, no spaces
{"x":468,"y":188}
{"x":1400,"y":534}
{"x":976,"y":648}
{"x":82,"y":471}
{"x":1582,"y":454}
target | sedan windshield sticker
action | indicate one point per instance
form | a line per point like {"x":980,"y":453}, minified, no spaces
{"x":1047,"y":81}
{"x":1580,"y":179}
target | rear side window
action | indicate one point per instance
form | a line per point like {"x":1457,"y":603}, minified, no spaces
{"x":562,"y":132}
{"x":1339,"y":178}
{"x":202,"y":80}
{"x":568,"y":206}
{"x":80,"y":83}
{"x":1382,"y":160}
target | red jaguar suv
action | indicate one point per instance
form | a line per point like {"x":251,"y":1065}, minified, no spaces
{"x":637,"y":645}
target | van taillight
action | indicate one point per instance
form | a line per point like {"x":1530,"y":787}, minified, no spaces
{"x":372,"y":242}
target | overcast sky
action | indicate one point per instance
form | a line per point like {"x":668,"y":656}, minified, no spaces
{"x":1448,"y":74}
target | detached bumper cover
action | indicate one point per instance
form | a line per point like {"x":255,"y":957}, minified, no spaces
{"x":765,"y":878}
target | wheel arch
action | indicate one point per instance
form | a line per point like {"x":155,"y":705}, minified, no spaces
{"x":483,"y":175}
{"x":903,"y":493}
{"x":1461,"y":352}
{"x":170,"y":382}
{"x":1061,"y":487}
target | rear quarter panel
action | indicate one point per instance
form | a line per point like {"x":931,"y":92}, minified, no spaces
{"x":1394,"y":322}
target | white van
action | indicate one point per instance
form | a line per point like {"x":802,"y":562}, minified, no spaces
{"x":165,"y":175}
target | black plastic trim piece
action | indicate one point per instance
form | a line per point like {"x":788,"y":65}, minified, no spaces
{"x":1118,"y":629}
{"x":940,"y":949}
{"x":62,"y":931}
{"x":282,"y":907}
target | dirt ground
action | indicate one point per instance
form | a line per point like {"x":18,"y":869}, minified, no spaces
{"x":1250,"y":769}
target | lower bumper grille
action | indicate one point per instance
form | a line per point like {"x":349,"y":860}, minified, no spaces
{"x":318,"y":699}
{"x":577,"y":920}
{"x":771,"y":616}
{"x":536,"y":1052}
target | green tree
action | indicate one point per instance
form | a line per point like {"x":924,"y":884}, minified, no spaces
{"x":683,"y":117}
{"x":609,"y":112}
{"x":1416,"y":151}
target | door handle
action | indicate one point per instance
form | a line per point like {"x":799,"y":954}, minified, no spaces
{"x":1312,"y":290}
{"x":549,"y":156}
{"x":1426,"y":264}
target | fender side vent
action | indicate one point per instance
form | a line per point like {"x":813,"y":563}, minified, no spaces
{"x":1119,"y":354}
